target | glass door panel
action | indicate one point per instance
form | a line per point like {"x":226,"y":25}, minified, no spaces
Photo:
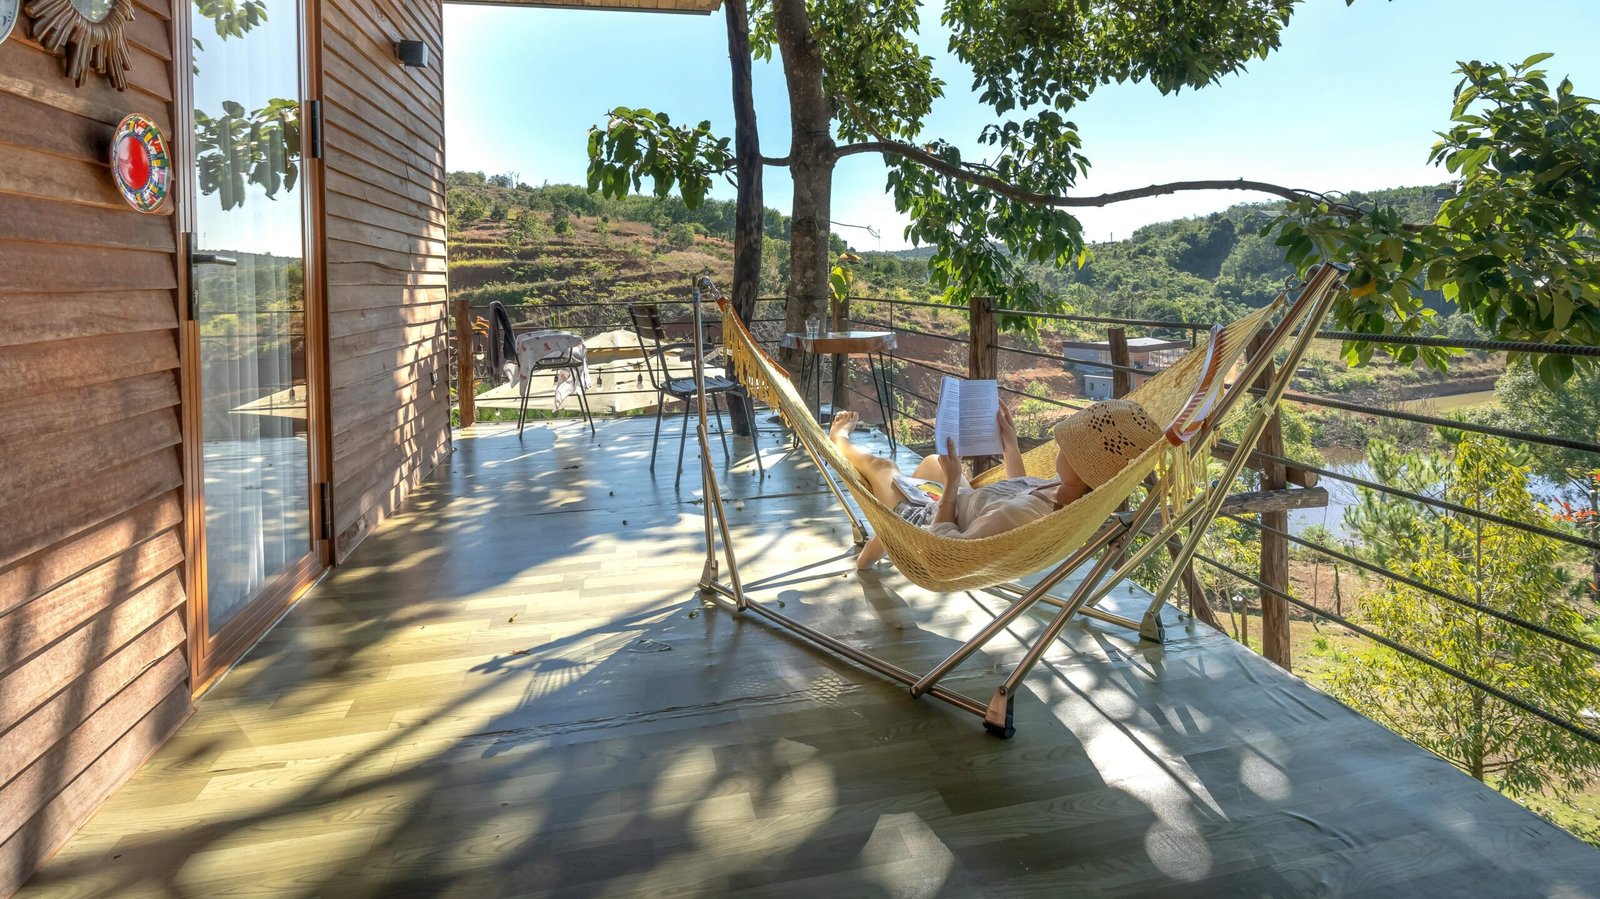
{"x":248,"y":276}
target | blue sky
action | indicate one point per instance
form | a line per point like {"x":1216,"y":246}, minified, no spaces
{"x":1351,"y":101}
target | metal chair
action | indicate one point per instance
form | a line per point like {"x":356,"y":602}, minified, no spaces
{"x":505,"y":344}
{"x":653,"y":343}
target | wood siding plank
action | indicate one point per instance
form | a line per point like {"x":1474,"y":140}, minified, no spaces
{"x":55,"y":566}
{"x":30,"y":172}
{"x":91,"y":550}
{"x":25,"y":688}
{"x":47,"y":617}
{"x":361,"y":179}
{"x":37,"y":268}
{"x":57,"y":768}
{"x":54,"y":130}
{"x":29,"y":72}
{"x":46,"y":317}
{"x":51,"y":826}
{"x":46,"y":415}
{"x":385,"y":254}
{"x":39,"y":469}
{"x":91,"y":501}
{"x":38,"y":220}
{"x":410,"y":300}
{"x":60,"y":365}
{"x":387,"y":338}
{"x":35,"y":734}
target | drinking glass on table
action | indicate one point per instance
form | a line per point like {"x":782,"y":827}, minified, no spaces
{"x":813,"y":328}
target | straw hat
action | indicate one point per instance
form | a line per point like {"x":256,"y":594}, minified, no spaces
{"x":1102,"y":439}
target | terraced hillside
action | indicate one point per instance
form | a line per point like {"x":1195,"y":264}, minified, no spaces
{"x":557,"y":280}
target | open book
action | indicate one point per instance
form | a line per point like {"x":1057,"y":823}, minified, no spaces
{"x":967,"y":411}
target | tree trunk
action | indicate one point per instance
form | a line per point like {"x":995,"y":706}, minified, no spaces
{"x":811,"y":160}
{"x":749,"y":209}
{"x":1476,"y":750}
{"x":1594,"y":534}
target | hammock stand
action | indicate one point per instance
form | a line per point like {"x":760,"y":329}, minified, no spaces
{"x":1173,"y":500}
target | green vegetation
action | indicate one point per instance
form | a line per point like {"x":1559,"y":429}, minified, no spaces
{"x":1204,"y":269}
{"x":1513,"y":245}
{"x":1525,"y":404}
{"x":1500,"y":567}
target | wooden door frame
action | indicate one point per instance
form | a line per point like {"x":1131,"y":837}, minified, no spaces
{"x":209,"y":658}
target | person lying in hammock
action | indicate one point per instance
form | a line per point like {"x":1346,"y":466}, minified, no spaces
{"x":1093,"y":445}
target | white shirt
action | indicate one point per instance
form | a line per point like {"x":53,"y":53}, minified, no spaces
{"x":996,"y":508}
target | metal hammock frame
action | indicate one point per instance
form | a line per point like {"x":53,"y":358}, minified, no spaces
{"x":1161,"y":517}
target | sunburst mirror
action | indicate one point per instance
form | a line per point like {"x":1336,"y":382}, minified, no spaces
{"x":88,"y":33}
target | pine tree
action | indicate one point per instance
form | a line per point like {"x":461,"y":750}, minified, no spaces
{"x":1506,"y":569}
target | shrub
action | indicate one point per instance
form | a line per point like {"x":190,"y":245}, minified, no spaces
{"x":680,"y":236}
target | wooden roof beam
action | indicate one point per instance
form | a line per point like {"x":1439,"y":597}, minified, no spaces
{"x":682,"y":7}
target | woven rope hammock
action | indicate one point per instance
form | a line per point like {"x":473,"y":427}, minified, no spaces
{"x":947,"y":564}
{"x":1178,"y":504}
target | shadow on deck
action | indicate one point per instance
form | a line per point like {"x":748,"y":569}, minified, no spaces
{"x":513,"y":689}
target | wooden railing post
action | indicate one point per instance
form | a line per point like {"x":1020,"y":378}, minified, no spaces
{"x":466,"y":381}
{"x":1121,"y":378}
{"x":1274,"y":549}
{"x":983,"y":354}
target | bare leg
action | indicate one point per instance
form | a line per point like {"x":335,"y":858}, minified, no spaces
{"x":929,"y":469}
{"x":871,"y":552}
{"x":879,"y":474}
{"x":877,"y":471}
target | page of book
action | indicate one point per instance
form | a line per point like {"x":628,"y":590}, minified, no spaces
{"x":967,"y":411}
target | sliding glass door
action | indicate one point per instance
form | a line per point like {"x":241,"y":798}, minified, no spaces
{"x":249,"y":336}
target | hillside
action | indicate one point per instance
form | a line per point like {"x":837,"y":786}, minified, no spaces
{"x":557,"y":243}
{"x":558,"y":256}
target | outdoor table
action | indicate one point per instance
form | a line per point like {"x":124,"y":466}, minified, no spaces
{"x":562,"y":352}
{"x":872,"y":344}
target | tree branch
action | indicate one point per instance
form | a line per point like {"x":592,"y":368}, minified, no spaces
{"x":780,"y":161}
{"x":1006,"y":189}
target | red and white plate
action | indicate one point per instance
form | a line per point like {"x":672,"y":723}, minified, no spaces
{"x":141,"y":162}
{"x":10,"y":11}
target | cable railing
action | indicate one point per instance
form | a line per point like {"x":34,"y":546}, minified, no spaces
{"x":910,"y":326}
{"x":913,"y":373}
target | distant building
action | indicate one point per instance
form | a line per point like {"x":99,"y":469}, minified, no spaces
{"x":1148,"y":354}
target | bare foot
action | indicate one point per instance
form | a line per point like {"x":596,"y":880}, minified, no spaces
{"x":871,"y":552}
{"x":843,"y":422}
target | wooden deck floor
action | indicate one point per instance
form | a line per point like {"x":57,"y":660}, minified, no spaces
{"x":513,"y":689}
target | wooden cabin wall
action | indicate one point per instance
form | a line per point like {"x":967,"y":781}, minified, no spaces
{"x":93,"y":675}
{"x":385,"y":225}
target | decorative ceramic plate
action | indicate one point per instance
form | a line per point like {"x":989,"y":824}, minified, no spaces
{"x":141,"y":163}
{"x":10,"y":10}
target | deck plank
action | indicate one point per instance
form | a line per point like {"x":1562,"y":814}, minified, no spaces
{"x":460,"y":710}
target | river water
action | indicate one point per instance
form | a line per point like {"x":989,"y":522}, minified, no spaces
{"x":1341,"y":496}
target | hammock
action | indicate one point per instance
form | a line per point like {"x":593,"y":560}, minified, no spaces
{"x":947,"y":564}
{"x":1193,"y":395}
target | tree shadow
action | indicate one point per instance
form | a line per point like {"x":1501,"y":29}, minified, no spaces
{"x":467,"y":709}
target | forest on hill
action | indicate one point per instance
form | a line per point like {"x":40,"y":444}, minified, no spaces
{"x":554,"y":253}
{"x":529,"y":244}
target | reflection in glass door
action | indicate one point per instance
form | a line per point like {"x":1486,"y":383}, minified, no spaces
{"x":247,"y":271}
